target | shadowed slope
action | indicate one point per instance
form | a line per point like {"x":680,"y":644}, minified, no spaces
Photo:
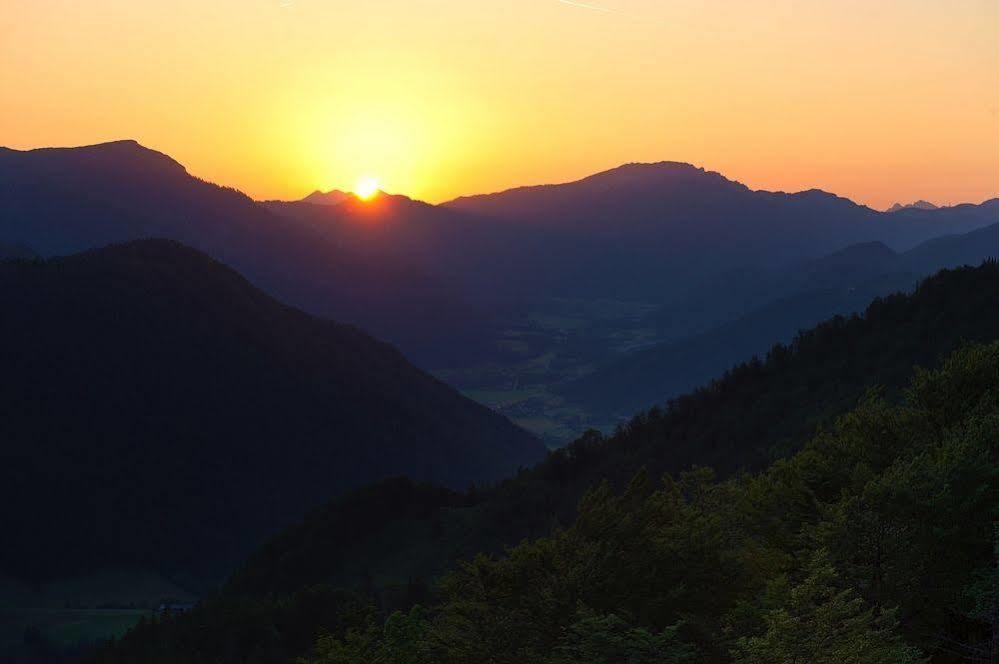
{"x":160,"y":411}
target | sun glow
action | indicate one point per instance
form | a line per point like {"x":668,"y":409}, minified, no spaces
{"x":366,"y":189}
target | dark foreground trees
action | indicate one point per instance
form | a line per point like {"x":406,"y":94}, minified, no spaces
{"x":873,"y":544}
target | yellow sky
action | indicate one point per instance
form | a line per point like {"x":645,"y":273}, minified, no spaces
{"x":878,"y":100}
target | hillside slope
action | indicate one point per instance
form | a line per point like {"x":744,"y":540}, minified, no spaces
{"x":160,"y":411}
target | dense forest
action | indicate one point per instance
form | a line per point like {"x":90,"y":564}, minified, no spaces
{"x":850,"y":516}
{"x":878,"y":542}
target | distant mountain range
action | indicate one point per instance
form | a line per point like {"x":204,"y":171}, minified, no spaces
{"x":161,"y":412}
{"x":443,"y":282}
{"x":647,"y":230}
{"x":918,"y":205}
{"x":61,"y":201}
{"x":333,"y":197}
{"x":651,"y":217}
{"x":650,"y":232}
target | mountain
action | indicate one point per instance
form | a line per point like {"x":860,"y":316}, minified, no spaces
{"x":160,"y":412}
{"x":485,"y":262}
{"x":918,"y":205}
{"x":643,"y":378}
{"x":408,"y":534}
{"x":865,"y":269}
{"x":386,"y":225}
{"x":65,"y":200}
{"x":691,"y":206}
{"x":645,"y":229}
{"x":653,"y":230}
{"x":334,"y":197}
{"x":779,"y":304}
{"x":443,"y":282}
{"x":963,"y":249}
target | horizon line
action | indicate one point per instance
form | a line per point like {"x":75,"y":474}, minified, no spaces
{"x":575,"y":180}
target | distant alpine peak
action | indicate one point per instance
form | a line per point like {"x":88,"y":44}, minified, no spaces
{"x":653,"y":170}
{"x":918,"y":205}
{"x":332,"y":197}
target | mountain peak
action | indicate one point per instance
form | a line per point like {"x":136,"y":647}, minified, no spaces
{"x":332,"y":197}
{"x":658,"y":174}
{"x":862,"y":252}
{"x":649,"y":179}
{"x":122,"y":155}
{"x":918,"y":205}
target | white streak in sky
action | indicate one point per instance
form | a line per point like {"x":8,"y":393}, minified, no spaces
{"x":583,"y":5}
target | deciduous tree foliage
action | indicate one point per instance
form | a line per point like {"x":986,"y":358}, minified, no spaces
{"x":865,"y":547}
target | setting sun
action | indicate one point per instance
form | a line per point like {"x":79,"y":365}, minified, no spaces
{"x":367,"y":188}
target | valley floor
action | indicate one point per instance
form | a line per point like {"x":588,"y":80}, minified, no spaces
{"x":558,"y":342}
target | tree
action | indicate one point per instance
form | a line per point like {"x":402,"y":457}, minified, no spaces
{"x":819,"y":623}
{"x":608,"y":639}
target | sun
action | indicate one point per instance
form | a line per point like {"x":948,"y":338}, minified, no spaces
{"x":367,"y":188}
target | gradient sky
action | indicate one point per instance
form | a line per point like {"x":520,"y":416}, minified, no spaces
{"x":878,"y":100}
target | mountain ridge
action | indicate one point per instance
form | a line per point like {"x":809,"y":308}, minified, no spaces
{"x":841,"y":283}
{"x":65,"y":200}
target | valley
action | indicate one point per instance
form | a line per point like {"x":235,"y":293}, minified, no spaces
{"x":539,"y":352}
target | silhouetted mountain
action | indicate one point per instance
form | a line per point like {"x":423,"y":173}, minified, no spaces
{"x":334,"y":197}
{"x":857,"y":256}
{"x":866,"y":269}
{"x":643,"y":378}
{"x":466,"y":253}
{"x":839,"y":284}
{"x":441,"y":282}
{"x":160,"y":412}
{"x":653,"y":230}
{"x":60,"y":201}
{"x":647,"y":230}
{"x":918,"y":205}
{"x":692,"y":205}
{"x":386,"y":225}
{"x":954,"y":250}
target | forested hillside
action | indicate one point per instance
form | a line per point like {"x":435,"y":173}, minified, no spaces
{"x":835,"y":555}
{"x":723,"y":564}
{"x":161,"y":413}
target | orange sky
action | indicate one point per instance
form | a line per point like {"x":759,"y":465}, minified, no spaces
{"x":878,"y":100}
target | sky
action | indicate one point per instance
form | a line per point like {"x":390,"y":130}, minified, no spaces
{"x":876,"y":100}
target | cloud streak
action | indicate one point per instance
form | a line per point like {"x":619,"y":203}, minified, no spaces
{"x":584,"y":5}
